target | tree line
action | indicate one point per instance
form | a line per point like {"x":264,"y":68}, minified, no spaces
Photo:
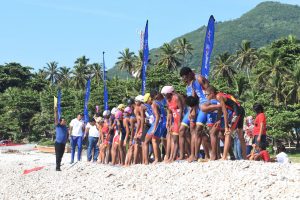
{"x":269,"y":75}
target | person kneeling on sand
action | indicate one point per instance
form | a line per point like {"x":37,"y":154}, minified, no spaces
{"x":281,"y":157}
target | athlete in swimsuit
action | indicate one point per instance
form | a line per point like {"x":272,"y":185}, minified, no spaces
{"x":195,"y":85}
{"x":139,"y":111}
{"x":175,"y":110}
{"x":228,"y":102}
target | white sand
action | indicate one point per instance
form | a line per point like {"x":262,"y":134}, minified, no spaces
{"x":210,"y":180}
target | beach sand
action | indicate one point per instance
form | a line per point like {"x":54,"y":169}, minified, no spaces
{"x":179,"y":180}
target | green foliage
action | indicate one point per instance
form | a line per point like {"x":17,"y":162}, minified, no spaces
{"x":46,"y":142}
{"x":13,"y":75}
{"x":249,"y":62}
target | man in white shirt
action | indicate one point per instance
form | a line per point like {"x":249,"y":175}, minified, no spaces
{"x":93,"y":138}
{"x":76,"y":136}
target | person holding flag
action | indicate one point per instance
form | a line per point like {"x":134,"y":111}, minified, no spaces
{"x":61,"y":135}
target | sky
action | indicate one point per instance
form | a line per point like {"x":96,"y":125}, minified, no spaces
{"x":35,"y":32}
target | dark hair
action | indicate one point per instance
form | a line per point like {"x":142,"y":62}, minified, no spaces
{"x":60,"y":119}
{"x":92,"y":119}
{"x":97,"y":115}
{"x":258,"y":108}
{"x":281,"y":148}
{"x":212,"y":89}
{"x":130,"y":101}
{"x":80,"y":114}
{"x":153,"y":94}
{"x":185,"y":71}
{"x":192,"y":101}
{"x":262,"y":145}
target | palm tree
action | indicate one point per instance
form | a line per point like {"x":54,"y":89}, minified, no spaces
{"x":184,"y":49}
{"x":270,"y":73}
{"x":223,"y":67}
{"x":138,"y":62}
{"x":292,"y":85}
{"x":168,"y":57}
{"x":126,"y":60}
{"x":246,"y":57}
{"x":42,"y":74}
{"x":241,"y":85}
{"x":52,"y":72}
{"x":82,"y":61}
{"x":81,"y":72}
{"x":64,"y":75}
{"x":96,"y":72}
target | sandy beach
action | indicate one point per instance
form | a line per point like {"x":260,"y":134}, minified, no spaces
{"x":84,"y":180}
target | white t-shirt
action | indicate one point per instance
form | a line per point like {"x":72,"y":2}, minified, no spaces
{"x":77,"y":127}
{"x":282,"y":158}
{"x":93,"y":131}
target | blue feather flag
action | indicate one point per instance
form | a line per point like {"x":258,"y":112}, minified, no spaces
{"x":105,"y":92}
{"x":208,"y":47}
{"x":145,"y":58}
{"x":86,"y":101}
{"x":58,"y":104}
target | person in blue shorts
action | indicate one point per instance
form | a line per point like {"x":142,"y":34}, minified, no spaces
{"x":157,"y":128}
{"x":195,"y":85}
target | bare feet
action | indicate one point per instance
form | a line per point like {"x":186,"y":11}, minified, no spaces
{"x":155,"y":162}
{"x":192,"y":159}
{"x":180,"y":158}
{"x":170,"y":160}
{"x":224,"y":158}
{"x":166,"y":159}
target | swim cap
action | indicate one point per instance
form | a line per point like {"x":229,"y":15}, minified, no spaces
{"x":167,"y":89}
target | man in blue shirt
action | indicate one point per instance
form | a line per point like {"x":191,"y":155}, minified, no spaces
{"x":60,"y":139}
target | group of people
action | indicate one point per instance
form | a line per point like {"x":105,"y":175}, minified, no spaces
{"x":166,"y":125}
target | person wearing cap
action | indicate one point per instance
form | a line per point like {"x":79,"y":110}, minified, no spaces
{"x":175,"y":107}
{"x":121,"y":107}
{"x":133,"y":121}
{"x":76,"y":133}
{"x":93,"y":134}
{"x":118,"y":141}
{"x":158,"y":125}
{"x":139,"y":112}
{"x":106,"y":138}
{"x":126,"y":123}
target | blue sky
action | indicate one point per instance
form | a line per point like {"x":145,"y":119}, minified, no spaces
{"x":34,"y":32}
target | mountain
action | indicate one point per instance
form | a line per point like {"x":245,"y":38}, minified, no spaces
{"x":268,"y":21}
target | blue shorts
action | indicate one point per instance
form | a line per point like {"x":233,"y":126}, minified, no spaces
{"x":200,"y":119}
{"x":164,"y":133}
{"x":186,"y":121}
{"x":158,"y":132}
{"x":212,"y":116}
{"x":230,"y":114}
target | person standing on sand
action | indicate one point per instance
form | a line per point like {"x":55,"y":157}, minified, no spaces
{"x":61,"y":135}
{"x":260,"y":125}
{"x":92,"y":131}
{"x":76,"y":132}
{"x":175,"y":105}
